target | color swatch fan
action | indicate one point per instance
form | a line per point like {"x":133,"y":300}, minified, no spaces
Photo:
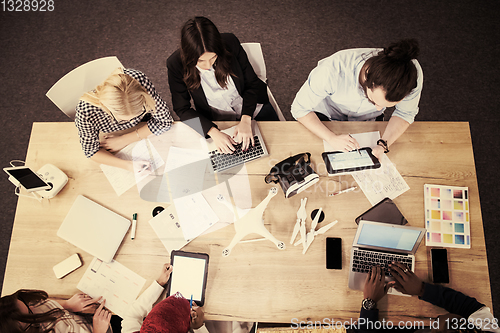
{"x":447,"y":218}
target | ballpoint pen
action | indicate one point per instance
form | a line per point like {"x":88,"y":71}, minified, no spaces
{"x":343,"y":191}
{"x":191,"y":302}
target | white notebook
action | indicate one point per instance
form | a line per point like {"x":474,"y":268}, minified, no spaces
{"x":94,"y":228}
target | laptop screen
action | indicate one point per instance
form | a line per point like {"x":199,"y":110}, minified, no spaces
{"x":387,"y":236}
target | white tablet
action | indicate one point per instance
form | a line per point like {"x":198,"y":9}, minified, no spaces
{"x":189,"y":276}
{"x":27,"y":178}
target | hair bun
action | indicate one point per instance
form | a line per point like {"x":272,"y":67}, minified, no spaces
{"x":403,"y":51}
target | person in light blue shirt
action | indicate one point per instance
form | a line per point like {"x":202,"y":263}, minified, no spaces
{"x":359,"y":84}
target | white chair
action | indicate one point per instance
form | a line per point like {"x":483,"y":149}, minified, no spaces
{"x":256,"y":58}
{"x":66,"y":92}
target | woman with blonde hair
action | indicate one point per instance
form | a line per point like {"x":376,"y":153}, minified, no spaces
{"x":120,"y":103}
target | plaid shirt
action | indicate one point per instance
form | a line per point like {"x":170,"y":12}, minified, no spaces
{"x":68,"y":323}
{"x":91,"y":120}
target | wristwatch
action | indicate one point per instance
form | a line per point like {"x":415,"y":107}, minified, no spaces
{"x":383,"y":144}
{"x":368,"y":304}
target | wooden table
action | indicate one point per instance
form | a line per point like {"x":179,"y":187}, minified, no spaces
{"x":257,"y":281}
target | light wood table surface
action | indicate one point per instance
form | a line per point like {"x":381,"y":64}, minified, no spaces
{"x":257,"y":281}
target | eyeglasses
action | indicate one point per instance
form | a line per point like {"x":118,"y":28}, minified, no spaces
{"x":122,"y":122}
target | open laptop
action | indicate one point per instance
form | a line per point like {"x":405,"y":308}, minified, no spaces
{"x":221,"y":162}
{"x":378,"y":243}
{"x":94,"y":228}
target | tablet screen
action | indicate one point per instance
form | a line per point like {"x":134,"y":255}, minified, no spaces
{"x":188,"y":277}
{"x":28,"y":179}
{"x":349,"y":160}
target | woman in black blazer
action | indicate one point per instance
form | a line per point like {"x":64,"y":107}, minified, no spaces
{"x":213,"y":70}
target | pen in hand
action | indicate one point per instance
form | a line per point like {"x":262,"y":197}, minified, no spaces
{"x":356,"y":148}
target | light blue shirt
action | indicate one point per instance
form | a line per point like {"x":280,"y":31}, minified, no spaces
{"x":333,"y":89}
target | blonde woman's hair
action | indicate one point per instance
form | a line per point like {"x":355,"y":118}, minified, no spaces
{"x":121,"y":95}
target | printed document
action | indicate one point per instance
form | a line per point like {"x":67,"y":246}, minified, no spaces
{"x":168,"y":229}
{"x":117,"y":284}
{"x":380,"y":183}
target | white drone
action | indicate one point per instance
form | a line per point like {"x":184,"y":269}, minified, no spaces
{"x":250,"y":222}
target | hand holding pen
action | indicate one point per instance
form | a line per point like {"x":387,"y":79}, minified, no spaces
{"x":342,"y":142}
{"x":357,"y":144}
{"x":141,"y":167}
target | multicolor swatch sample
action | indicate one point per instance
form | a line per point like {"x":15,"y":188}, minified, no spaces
{"x":447,"y":217}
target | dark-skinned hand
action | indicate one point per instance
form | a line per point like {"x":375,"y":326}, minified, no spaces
{"x":375,"y":286}
{"x":405,"y":280}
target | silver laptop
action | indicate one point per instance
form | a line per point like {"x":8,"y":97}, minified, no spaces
{"x":378,"y":243}
{"x":221,"y":162}
{"x":94,"y":228}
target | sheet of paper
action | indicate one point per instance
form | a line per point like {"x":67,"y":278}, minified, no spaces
{"x":178,"y":157}
{"x":117,"y":284}
{"x":168,"y":229}
{"x":224,"y":215}
{"x":122,"y":180}
{"x":385,"y":181}
{"x":367,"y":139}
{"x":195,"y":215}
{"x":187,"y":172}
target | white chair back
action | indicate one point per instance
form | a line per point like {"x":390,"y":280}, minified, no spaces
{"x":256,"y":58}
{"x":66,"y":92}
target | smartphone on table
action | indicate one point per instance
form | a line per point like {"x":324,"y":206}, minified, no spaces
{"x":439,"y":263}
{"x":333,"y":253}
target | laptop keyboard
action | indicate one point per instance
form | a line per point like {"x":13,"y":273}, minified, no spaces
{"x":364,"y":260}
{"x":222,"y":162}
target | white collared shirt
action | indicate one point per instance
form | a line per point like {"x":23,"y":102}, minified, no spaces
{"x":333,"y":89}
{"x":226,"y":103}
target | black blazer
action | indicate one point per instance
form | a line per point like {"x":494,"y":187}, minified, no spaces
{"x":249,"y":86}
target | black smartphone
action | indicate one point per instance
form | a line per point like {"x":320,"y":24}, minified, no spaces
{"x":355,"y":160}
{"x":439,"y":263}
{"x":333,"y":253}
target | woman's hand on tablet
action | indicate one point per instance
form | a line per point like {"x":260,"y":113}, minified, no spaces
{"x":165,"y":274}
{"x":222,"y":141}
{"x":243,"y":132}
